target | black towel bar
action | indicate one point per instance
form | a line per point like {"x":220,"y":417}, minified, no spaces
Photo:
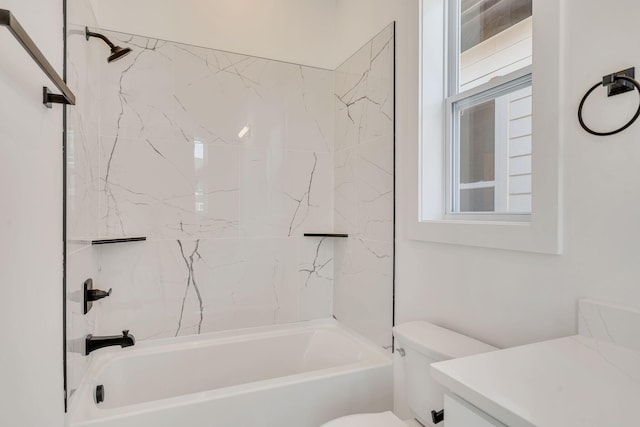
{"x":8,"y":20}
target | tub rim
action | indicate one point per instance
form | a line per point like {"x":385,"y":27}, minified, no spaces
{"x":375,"y":357}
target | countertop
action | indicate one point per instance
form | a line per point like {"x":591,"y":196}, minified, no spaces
{"x":574,"y":381}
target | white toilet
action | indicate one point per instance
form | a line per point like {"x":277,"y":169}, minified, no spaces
{"x":420,"y":344}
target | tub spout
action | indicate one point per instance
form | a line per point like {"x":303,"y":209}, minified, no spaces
{"x":94,"y":343}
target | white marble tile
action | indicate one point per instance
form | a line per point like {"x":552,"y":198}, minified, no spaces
{"x":309,"y":111}
{"x":363,"y":189}
{"x":136,"y":92}
{"x":283,"y":105}
{"x":195,"y":96}
{"x":302,"y":193}
{"x":82,"y":183}
{"x":286,"y":193}
{"x":167,"y":288}
{"x":315,"y":277}
{"x":609,"y":322}
{"x":219,"y":93}
{"x":345,"y":191}
{"x":363,"y":288}
{"x":350,"y":98}
{"x":225,"y":212}
{"x":82,"y":136}
{"x":374,"y":189}
{"x":364,"y":87}
{"x":166,"y":189}
{"x":82,"y":264}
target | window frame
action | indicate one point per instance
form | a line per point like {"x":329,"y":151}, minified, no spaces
{"x":426,"y":202}
{"x":484,"y":92}
{"x":454,"y":96}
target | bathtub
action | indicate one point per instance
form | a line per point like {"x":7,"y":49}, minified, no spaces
{"x":298,"y":375}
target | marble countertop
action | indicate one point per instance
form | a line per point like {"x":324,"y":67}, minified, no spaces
{"x":575,"y":381}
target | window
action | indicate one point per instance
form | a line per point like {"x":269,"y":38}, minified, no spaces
{"x":488,"y":151}
{"x":489,"y":109}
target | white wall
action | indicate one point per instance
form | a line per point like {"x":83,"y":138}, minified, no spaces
{"x":505,"y":298}
{"x":287,"y":30}
{"x":511,"y":298}
{"x":358,"y":21}
{"x":31,"y":385}
{"x":319,"y":33}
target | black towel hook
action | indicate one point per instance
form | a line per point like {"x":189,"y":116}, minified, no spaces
{"x":617,"y":83}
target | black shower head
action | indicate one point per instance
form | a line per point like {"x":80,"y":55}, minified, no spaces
{"x":117,"y":52}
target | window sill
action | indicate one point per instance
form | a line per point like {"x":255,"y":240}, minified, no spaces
{"x":426,"y":167}
{"x":524,"y":236}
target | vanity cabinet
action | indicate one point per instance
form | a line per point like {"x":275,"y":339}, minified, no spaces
{"x":459,"y":413}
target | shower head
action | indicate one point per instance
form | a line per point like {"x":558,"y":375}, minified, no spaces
{"x":117,"y":52}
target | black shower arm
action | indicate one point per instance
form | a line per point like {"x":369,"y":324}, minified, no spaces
{"x":100,"y":36}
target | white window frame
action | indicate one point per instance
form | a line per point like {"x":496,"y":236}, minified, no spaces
{"x":486,"y":91}
{"x":428,"y":220}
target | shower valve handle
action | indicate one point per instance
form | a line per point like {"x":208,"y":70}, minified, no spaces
{"x":97,"y":294}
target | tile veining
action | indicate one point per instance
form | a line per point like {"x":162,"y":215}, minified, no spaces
{"x":223,"y":161}
{"x":317,"y":266}
{"x":363,"y":189}
{"x":191,"y":282}
{"x":305,"y":197}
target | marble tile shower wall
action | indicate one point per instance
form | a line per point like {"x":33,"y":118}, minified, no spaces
{"x":364,"y":189}
{"x":83,"y":77}
{"x":223,"y":161}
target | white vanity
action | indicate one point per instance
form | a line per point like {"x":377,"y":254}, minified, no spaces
{"x":590,"y":379}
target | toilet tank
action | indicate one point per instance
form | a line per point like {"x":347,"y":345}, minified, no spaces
{"x":422,"y":344}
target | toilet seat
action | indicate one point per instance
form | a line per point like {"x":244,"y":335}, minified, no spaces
{"x":382,"y":419}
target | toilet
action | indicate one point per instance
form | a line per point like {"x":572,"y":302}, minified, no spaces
{"x":420,"y":344}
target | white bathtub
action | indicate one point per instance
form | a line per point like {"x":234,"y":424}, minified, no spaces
{"x":298,"y":375}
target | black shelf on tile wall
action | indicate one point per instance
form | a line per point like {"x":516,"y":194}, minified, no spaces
{"x":343,"y":235}
{"x":109,"y":241}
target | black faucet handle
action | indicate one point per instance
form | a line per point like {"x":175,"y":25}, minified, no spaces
{"x":97,"y":294}
{"x":125,"y":333}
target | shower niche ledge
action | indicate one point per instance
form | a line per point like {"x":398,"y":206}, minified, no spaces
{"x":112,"y":240}
{"x":107,"y":240}
{"x":340,"y":235}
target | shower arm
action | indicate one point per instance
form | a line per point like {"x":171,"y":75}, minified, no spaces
{"x":101,"y":37}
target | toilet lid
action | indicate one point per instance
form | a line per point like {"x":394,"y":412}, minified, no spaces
{"x":383,"y":419}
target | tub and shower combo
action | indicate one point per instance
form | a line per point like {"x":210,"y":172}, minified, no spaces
{"x":212,"y":229}
{"x":298,"y":375}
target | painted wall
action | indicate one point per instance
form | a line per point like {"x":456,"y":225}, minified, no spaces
{"x":511,"y":298}
{"x":287,"y":30}
{"x":31,"y":389}
{"x":320,"y":33}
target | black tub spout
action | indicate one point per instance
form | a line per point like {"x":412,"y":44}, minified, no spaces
{"x":94,"y":343}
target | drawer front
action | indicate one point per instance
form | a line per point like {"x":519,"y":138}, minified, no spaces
{"x":459,"y":413}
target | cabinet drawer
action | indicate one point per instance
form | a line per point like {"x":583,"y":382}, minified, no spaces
{"x":459,"y":413}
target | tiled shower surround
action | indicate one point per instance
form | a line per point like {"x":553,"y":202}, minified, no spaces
{"x":364,"y":189}
{"x":223,"y":161}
